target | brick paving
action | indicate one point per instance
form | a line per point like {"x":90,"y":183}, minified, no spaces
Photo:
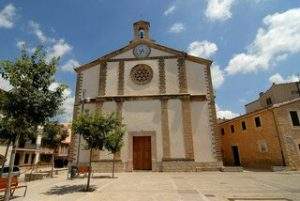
{"x":155,"y":186}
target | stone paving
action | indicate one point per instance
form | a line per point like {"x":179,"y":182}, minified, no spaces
{"x":155,"y":186}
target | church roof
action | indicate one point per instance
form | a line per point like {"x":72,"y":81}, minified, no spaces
{"x":151,"y":44}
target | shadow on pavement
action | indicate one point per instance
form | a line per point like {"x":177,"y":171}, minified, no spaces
{"x":66,"y":189}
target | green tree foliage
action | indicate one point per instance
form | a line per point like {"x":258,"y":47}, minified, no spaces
{"x":30,"y":102}
{"x":114,"y":143}
{"x":95,"y":128}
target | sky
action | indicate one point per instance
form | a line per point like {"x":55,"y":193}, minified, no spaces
{"x":253,"y":43}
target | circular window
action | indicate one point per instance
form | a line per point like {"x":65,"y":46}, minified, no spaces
{"x":141,"y":74}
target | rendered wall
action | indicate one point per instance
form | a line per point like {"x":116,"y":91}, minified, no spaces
{"x":90,"y":81}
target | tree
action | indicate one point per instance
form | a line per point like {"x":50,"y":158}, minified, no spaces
{"x":52,"y":138}
{"x":94,"y":129}
{"x":30,"y":102}
{"x":114,"y":143}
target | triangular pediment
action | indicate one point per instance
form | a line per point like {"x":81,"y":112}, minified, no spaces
{"x":157,"y":50}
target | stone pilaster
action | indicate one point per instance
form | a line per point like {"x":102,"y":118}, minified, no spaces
{"x":216,"y":137}
{"x":165,"y":128}
{"x":119,"y":103}
{"x":187,"y":128}
{"x":102,"y":79}
{"x":121,"y":78}
{"x":76,"y":110}
{"x":182,"y":75}
{"x":162,"y":76}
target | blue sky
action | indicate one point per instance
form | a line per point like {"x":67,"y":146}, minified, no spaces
{"x":252,"y":42}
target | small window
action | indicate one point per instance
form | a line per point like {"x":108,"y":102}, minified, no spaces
{"x":222,"y":131}
{"x":263,"y":147}
{"x":244,"y":125}
{"x":257,"y":122}
{"x":269,"y":101}
{"x":295,"y":118}
{"x":299,"y":146}
{"x":232,"y":128}
{"x":26,"y":158}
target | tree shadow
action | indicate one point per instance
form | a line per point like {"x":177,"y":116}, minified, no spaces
{"x":102,"y":177}
{"x":67,"y":189}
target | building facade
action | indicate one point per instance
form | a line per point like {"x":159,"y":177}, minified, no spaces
{"x":264,"y":138}
{"x":277,"y":93}
{"x":165,"y":99}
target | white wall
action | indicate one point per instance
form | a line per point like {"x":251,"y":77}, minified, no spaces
{"x":202,"y":136}
{"x":195,"y":78}
{"x":142,"y":116}
{"x":176,"y":129}
{"x":112,"y":78}
{"x":90,"y":81}
{"x":131,"y":88}
{"x":171,"y":72}
{"x":2,"y":152}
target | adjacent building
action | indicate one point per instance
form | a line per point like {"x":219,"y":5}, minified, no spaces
{"x":268,"y":134}
{"x":164,"y":97}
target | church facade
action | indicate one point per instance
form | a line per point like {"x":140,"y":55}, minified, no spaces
{"x":165,"y":99}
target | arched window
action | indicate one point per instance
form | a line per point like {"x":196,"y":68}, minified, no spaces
{"x":141,"y":33}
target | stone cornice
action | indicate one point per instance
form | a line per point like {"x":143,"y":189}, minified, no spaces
{"x":192,"y":97}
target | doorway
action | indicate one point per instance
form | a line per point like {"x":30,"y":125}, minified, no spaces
{"x":236,"y":155}
{"x":142,"y":159}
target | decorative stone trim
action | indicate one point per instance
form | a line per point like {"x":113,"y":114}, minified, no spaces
{"x":182,"y":75}
{"x":78,"y":90}
{"x":162,"y":76}
{"x":176,"y":54}
{"x":147,"y":97}
{"x":141,"y":74}
{"x":121,"y":78}
{"x":76,"y":110}
{"x":187,"y":128}
{"x":216,"y":136}
{"x":119,"y":108}
{"x":165,"y":128}
{"x":102,"y":79}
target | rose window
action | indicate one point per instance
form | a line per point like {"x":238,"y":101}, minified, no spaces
{"x":141,"y":74}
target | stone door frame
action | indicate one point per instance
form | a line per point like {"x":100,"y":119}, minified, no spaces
{"x":131,"y":134}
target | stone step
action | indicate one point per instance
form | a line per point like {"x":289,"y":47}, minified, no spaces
{"x":232,"y":169}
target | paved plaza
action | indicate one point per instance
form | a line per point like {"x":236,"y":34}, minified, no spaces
{"x":146,"y":186}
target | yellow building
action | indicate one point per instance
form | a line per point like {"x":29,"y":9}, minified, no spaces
{"x":263,"y":138}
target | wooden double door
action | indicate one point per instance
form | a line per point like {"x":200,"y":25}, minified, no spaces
{"x":142,"y":159}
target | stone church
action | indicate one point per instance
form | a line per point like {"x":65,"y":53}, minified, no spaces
{"x":164,"y":97}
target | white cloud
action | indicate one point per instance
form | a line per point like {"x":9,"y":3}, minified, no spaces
{"x":219,"y":9}
{"x":279,"y":37}
{"x":37,"y":31}
{"x":59,"y":49}
{"x":21,"y":44}
{"x":277,"y":78}
{"x":217,"y":76}
{"x":70,"y":65}
{"x":225,"y":114}
{"x":68,"y":103}
{"x":177,"y":28}
{"x":7,"y":15}
{"x":170,"y":10}
{"x":4,"y":84}
{"x":202,"y":48}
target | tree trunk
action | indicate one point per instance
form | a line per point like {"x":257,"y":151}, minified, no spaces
{"x":113,"y":167}
{"x":52,"y":165}
{"x":90,"y":171}
{"x":11,"y":165}
{"x":5,"y":156}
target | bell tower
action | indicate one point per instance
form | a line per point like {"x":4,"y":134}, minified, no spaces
{"x":141,"y":30}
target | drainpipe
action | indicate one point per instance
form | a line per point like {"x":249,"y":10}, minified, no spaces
{"x":279,"y":139}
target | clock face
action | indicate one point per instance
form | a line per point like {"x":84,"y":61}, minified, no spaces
{"x":141,"y":51}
